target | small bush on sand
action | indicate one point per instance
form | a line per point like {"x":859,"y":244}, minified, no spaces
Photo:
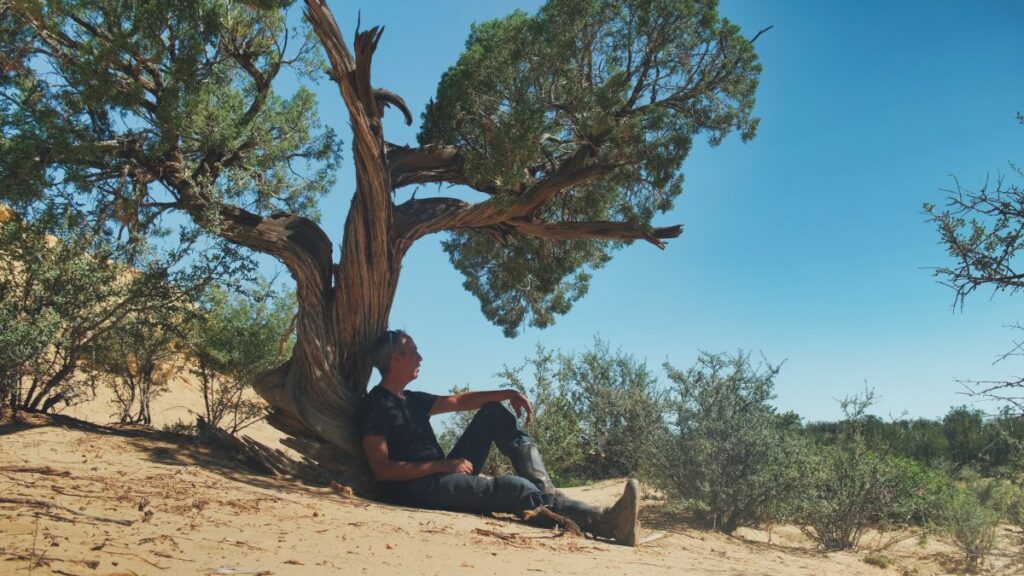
{"x":879,"y":560}
{"x":854,"y":488}
{"x":235,"y":337}
{"x":597,"y":414}
{"x":970,"y":524}
{"x":731,"y":458}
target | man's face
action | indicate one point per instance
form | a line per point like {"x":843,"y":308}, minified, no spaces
{"x":405,"y":361}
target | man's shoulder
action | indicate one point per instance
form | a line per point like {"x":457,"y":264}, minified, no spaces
{"x":380,"y":397}
{"x":377,"y":396}
{"x":420,"y":395}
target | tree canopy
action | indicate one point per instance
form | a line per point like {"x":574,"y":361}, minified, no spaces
{"x":609,"y":93}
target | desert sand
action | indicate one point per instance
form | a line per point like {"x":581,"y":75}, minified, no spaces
{"x":81,"y":497}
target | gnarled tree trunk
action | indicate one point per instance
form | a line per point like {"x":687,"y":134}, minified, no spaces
{"x":344,"y":307}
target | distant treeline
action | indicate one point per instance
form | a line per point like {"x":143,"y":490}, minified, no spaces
{"x":964,"y":438}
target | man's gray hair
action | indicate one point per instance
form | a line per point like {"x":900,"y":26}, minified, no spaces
{"x":380,"y":352}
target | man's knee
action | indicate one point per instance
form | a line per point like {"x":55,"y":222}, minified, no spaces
{"x":495,"y":409}
{"x":496,"y":413}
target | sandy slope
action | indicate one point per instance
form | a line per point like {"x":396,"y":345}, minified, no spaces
{"x":84,"y":499}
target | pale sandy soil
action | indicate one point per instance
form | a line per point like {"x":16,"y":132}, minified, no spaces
{"x":84,"y":499}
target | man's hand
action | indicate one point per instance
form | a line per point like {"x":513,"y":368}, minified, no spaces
{"x":456,"y":466}
{"x":521,"y":404}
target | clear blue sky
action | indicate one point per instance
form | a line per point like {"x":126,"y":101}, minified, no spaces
{"x":807,"y":244}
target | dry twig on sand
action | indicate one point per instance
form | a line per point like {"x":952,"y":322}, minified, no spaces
{"x":46,"y":470}
{"x":45,"y":504}
{"x":513,"y":539}
{"x":133,"y":555}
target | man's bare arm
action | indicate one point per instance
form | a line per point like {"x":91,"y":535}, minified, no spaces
{"x":387,"y":470}
{"x":474,"y":400}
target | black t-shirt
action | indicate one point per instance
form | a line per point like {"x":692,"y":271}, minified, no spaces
{"x":405,"y":424}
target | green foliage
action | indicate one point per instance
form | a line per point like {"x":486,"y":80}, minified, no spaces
{"x":525,"y":277}
{"x":879,"y":560}
{"x":597,"y":414}
{"x":971,"y":525}
{"x":979,"y":230}
{"x":854,"y":487}
{"x":923,"y":441}
{"x":964,"y":429}
{"x":732,"y":458}
{"x":63,"y":289}
{"x":610,"y":407}
{"x":235,"y":337}
{"x":1002,"y":496}
{"x":620,"y":408}
{"x":964,"y":438}
{"x":101,"y":97}
{"x":620,"y":88}
{"x":557,"y":426}
{"x":140,"y":357}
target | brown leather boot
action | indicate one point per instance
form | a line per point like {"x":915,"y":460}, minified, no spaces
{"x":618,"y":522}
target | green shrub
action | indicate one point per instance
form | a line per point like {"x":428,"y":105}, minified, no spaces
{"x":597,"y":414}
{"x":853,"y":487}
{"x":971,"y":525}
{"x":234,"y":338}
{"x":1002,"y":496}
{"x":879,"y":560}
{"x":731,"y":459}
{"x":619,"y":409}
{"x":556,"y":427}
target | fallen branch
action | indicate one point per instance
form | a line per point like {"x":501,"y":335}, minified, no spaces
{"x":55,"y":516}
{"x":63,"y":492}
{"x":91,"y":564}
{"x":36,"y":470}
{"x":45,"y":504}
{"x":570,"y":526}
{"x":238,"y":543}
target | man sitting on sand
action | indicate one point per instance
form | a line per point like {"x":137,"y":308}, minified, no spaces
{"x":407,"y":460}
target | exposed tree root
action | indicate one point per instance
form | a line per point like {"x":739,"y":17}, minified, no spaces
{"x":260,"y":457}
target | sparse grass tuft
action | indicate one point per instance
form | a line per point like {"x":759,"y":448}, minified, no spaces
{"x":879,"y":560}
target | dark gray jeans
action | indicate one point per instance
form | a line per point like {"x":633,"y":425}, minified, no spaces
{"x":492,"y":424}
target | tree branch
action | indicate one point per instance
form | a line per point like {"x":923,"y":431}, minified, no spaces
{"x":297,"y":242}
{"x":433,"y":163}
{"x":413,"y":218}
{"x":369,"y":220}
{"x":420,"y":218}
{"x":388,"y":98}
{"x":596,"y":231}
